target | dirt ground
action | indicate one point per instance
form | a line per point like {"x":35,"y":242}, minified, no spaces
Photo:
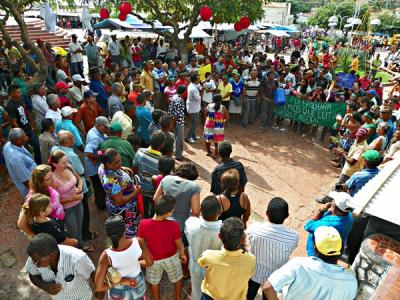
{"x":277,"y":163}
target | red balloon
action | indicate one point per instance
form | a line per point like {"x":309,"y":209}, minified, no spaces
{"x":245,"y":22}
{"x":125,"y":8}
{"x":104,"y":13}
{"x":238,"y":26}
{"x":122,"y":17}
{"x":205,"y":13}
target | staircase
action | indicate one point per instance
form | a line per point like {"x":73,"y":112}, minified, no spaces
{"x":37,"y":30}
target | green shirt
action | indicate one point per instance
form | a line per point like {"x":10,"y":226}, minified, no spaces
{"x":122,"y":146}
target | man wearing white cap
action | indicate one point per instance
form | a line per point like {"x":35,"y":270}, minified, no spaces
{"x":315,"y":278}
{"x":77,"y":90}
{"x":67,"y":124}
{"x":336,"y":214}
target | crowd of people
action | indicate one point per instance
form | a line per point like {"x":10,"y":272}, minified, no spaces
{"x":119,"y":135}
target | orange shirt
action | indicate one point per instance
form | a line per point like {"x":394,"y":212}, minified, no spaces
{"x":88,"y":115}
{"x":200,"y":48}
{"x":132,"y":96}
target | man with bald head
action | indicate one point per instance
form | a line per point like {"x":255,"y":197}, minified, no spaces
{"x":66,"y":142}
{"x":19,"y":161}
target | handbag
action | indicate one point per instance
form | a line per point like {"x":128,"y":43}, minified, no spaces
{"x":113,"y":277}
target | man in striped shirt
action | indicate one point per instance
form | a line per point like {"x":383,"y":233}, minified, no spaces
{"x":250,"y":97}
{"x":62,"y":271}
{"x":202,"y":234}
{"x":271,"y":242}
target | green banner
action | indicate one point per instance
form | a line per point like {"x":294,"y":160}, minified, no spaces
{"x":315,"y":113}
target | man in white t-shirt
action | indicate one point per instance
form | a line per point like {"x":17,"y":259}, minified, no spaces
{"x":193,"y":107}
{"x":76,"y":51}
{"x":77,"y":90}
{"x":114,"y":50}
{"x":54,"y":111}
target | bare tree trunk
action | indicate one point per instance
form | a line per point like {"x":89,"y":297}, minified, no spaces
{"x":181,"y":46}
{"x":41,"y":68}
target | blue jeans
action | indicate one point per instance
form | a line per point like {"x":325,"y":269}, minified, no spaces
{"x":73,"y":222}
{"x":194,"y":121}
{"x":77,"y":68}
{"x":124,"y":292}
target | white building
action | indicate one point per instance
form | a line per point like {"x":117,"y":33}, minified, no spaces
{"x":277,"y":13}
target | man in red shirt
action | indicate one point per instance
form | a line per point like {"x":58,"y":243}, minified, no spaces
{"x":163,"y":239}
{"x":365,"y":82}
{"x":200,"y":47}
{"x":182,"y":81}
{"x":61,"y":91}
{"x":89,"y":111}
{"x":136,"y":54}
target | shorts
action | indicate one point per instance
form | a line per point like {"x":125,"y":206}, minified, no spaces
{"x":124,"y":292}
{"x":171,"y":265}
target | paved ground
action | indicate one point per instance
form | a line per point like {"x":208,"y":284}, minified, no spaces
{"x":278,"y":163}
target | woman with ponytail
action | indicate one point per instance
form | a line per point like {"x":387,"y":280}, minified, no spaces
{"x":216,"y":117}
{"x":127,"y":256}
{"x":41,"y":181}
{"x":121,"y":192}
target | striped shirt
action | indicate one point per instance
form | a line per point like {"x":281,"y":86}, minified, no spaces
{"x":272,"y":244}
{"x":146,"y":161}
{"x":252,"y":87}
{"x":71,"y":261}
{"x":201,"y":235}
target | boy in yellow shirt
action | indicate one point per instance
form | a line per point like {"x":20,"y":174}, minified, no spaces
{"x":227,"y":270}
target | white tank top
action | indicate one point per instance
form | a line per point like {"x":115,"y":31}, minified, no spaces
{"x":126,"y":262}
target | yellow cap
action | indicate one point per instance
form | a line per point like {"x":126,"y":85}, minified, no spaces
{"x":327,"y":241}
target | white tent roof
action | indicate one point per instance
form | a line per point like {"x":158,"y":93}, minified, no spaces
{"x":278,"y":33}
{"x":197,"y":33}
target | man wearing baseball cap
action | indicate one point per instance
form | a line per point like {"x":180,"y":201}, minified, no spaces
{"x":61,"y":91}
{"x":77,"y":90}
{"x":372,"y":160}
{"x":94,"y":138}
{"x":89,"y":111}
{"x":318,"y":277}
{"x":66,"y":123}
{"x":354,"y":160}
{"x":336,"y":213}
{"x":123,"y":147}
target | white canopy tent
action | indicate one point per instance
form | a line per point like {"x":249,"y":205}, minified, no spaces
{"x":197,"y":33}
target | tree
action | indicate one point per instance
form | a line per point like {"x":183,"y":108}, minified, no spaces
{"x":176,"y":12}
{"x":16,"y":9}
{"x":389,"y":24}
{"x":342,"y":9}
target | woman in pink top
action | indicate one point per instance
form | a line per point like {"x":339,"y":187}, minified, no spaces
{"x":69,"y":185}
{"x":170,"y":90}
{"x":41,"y":181}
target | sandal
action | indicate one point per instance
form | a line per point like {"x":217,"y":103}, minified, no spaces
{"x":87,"y":249}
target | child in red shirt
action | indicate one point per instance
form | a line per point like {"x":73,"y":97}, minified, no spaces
{"x":163,"y":238}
